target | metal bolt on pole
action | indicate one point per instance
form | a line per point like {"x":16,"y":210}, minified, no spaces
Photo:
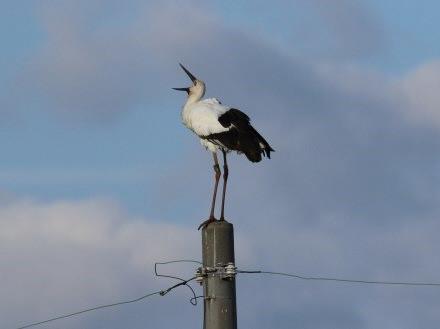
{"x":220,"y":310}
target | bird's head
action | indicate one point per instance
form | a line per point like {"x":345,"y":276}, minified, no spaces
{"x":197,"y":89}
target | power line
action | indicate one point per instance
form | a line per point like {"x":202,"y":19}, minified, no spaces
{"x":156,"y":272}
{"x":160,"y":292}
{"x":179,"y":261}
{"x":318,"y":278}
{"x":314,"y":278}
{"x":193,"y":300}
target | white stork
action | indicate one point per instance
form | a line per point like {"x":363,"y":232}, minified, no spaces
{"x":223,"y":128}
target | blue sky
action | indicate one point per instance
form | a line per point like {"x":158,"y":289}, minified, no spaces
{"x":99,"y":178}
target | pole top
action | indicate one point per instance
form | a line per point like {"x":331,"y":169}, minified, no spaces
{"x":218,"y":243}
{"x":218,"y":225}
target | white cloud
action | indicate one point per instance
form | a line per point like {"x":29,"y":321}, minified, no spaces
{"x":420,"y":89}
{"x":63,"y":256}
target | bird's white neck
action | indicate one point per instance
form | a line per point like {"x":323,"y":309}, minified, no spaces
{"x":196,"y":93}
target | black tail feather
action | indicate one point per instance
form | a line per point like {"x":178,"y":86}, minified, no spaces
{"x":253,"y":145}
{"x":266,"y":149}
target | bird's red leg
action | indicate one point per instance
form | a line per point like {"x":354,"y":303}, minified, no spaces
{"x":214,"y":195}
{"x":225,"y":181}
{"x":217,"y":178}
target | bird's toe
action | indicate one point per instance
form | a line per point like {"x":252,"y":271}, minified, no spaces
{"x":206,"y":223}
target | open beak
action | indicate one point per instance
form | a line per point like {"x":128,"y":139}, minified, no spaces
{"x":191,"y":76}
{"x":182,"y":89}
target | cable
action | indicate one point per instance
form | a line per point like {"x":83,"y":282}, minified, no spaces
{"x":183,"y":283}
{"x":193,"y":300}
{"x":160,"y":292}
{"x":89,"y":310}
{"x":171,"y":262}
{"x":341,"y":279}
{"x":180,"y":261}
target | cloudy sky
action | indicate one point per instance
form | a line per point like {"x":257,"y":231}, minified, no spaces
{"x":99,"y":179}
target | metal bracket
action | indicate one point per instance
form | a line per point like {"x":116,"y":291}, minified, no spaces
{"x":230,"y":270}
{"x":224,"y":271}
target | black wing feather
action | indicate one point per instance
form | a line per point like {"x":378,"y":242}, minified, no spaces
{"x":241,"y":136}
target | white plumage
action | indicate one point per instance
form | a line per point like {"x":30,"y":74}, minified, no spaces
{"x":220,"y":128}
{"x":202,"y":118}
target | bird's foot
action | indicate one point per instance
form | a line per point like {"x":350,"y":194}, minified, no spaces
{"x":206,"y":222}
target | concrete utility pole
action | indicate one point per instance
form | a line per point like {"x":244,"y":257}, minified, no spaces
{"x":218,"y":276}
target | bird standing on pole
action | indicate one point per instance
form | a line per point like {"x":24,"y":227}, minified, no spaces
{"x":221,"y":128}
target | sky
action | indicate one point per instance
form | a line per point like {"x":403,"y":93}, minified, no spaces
{"x":99,"y":179}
